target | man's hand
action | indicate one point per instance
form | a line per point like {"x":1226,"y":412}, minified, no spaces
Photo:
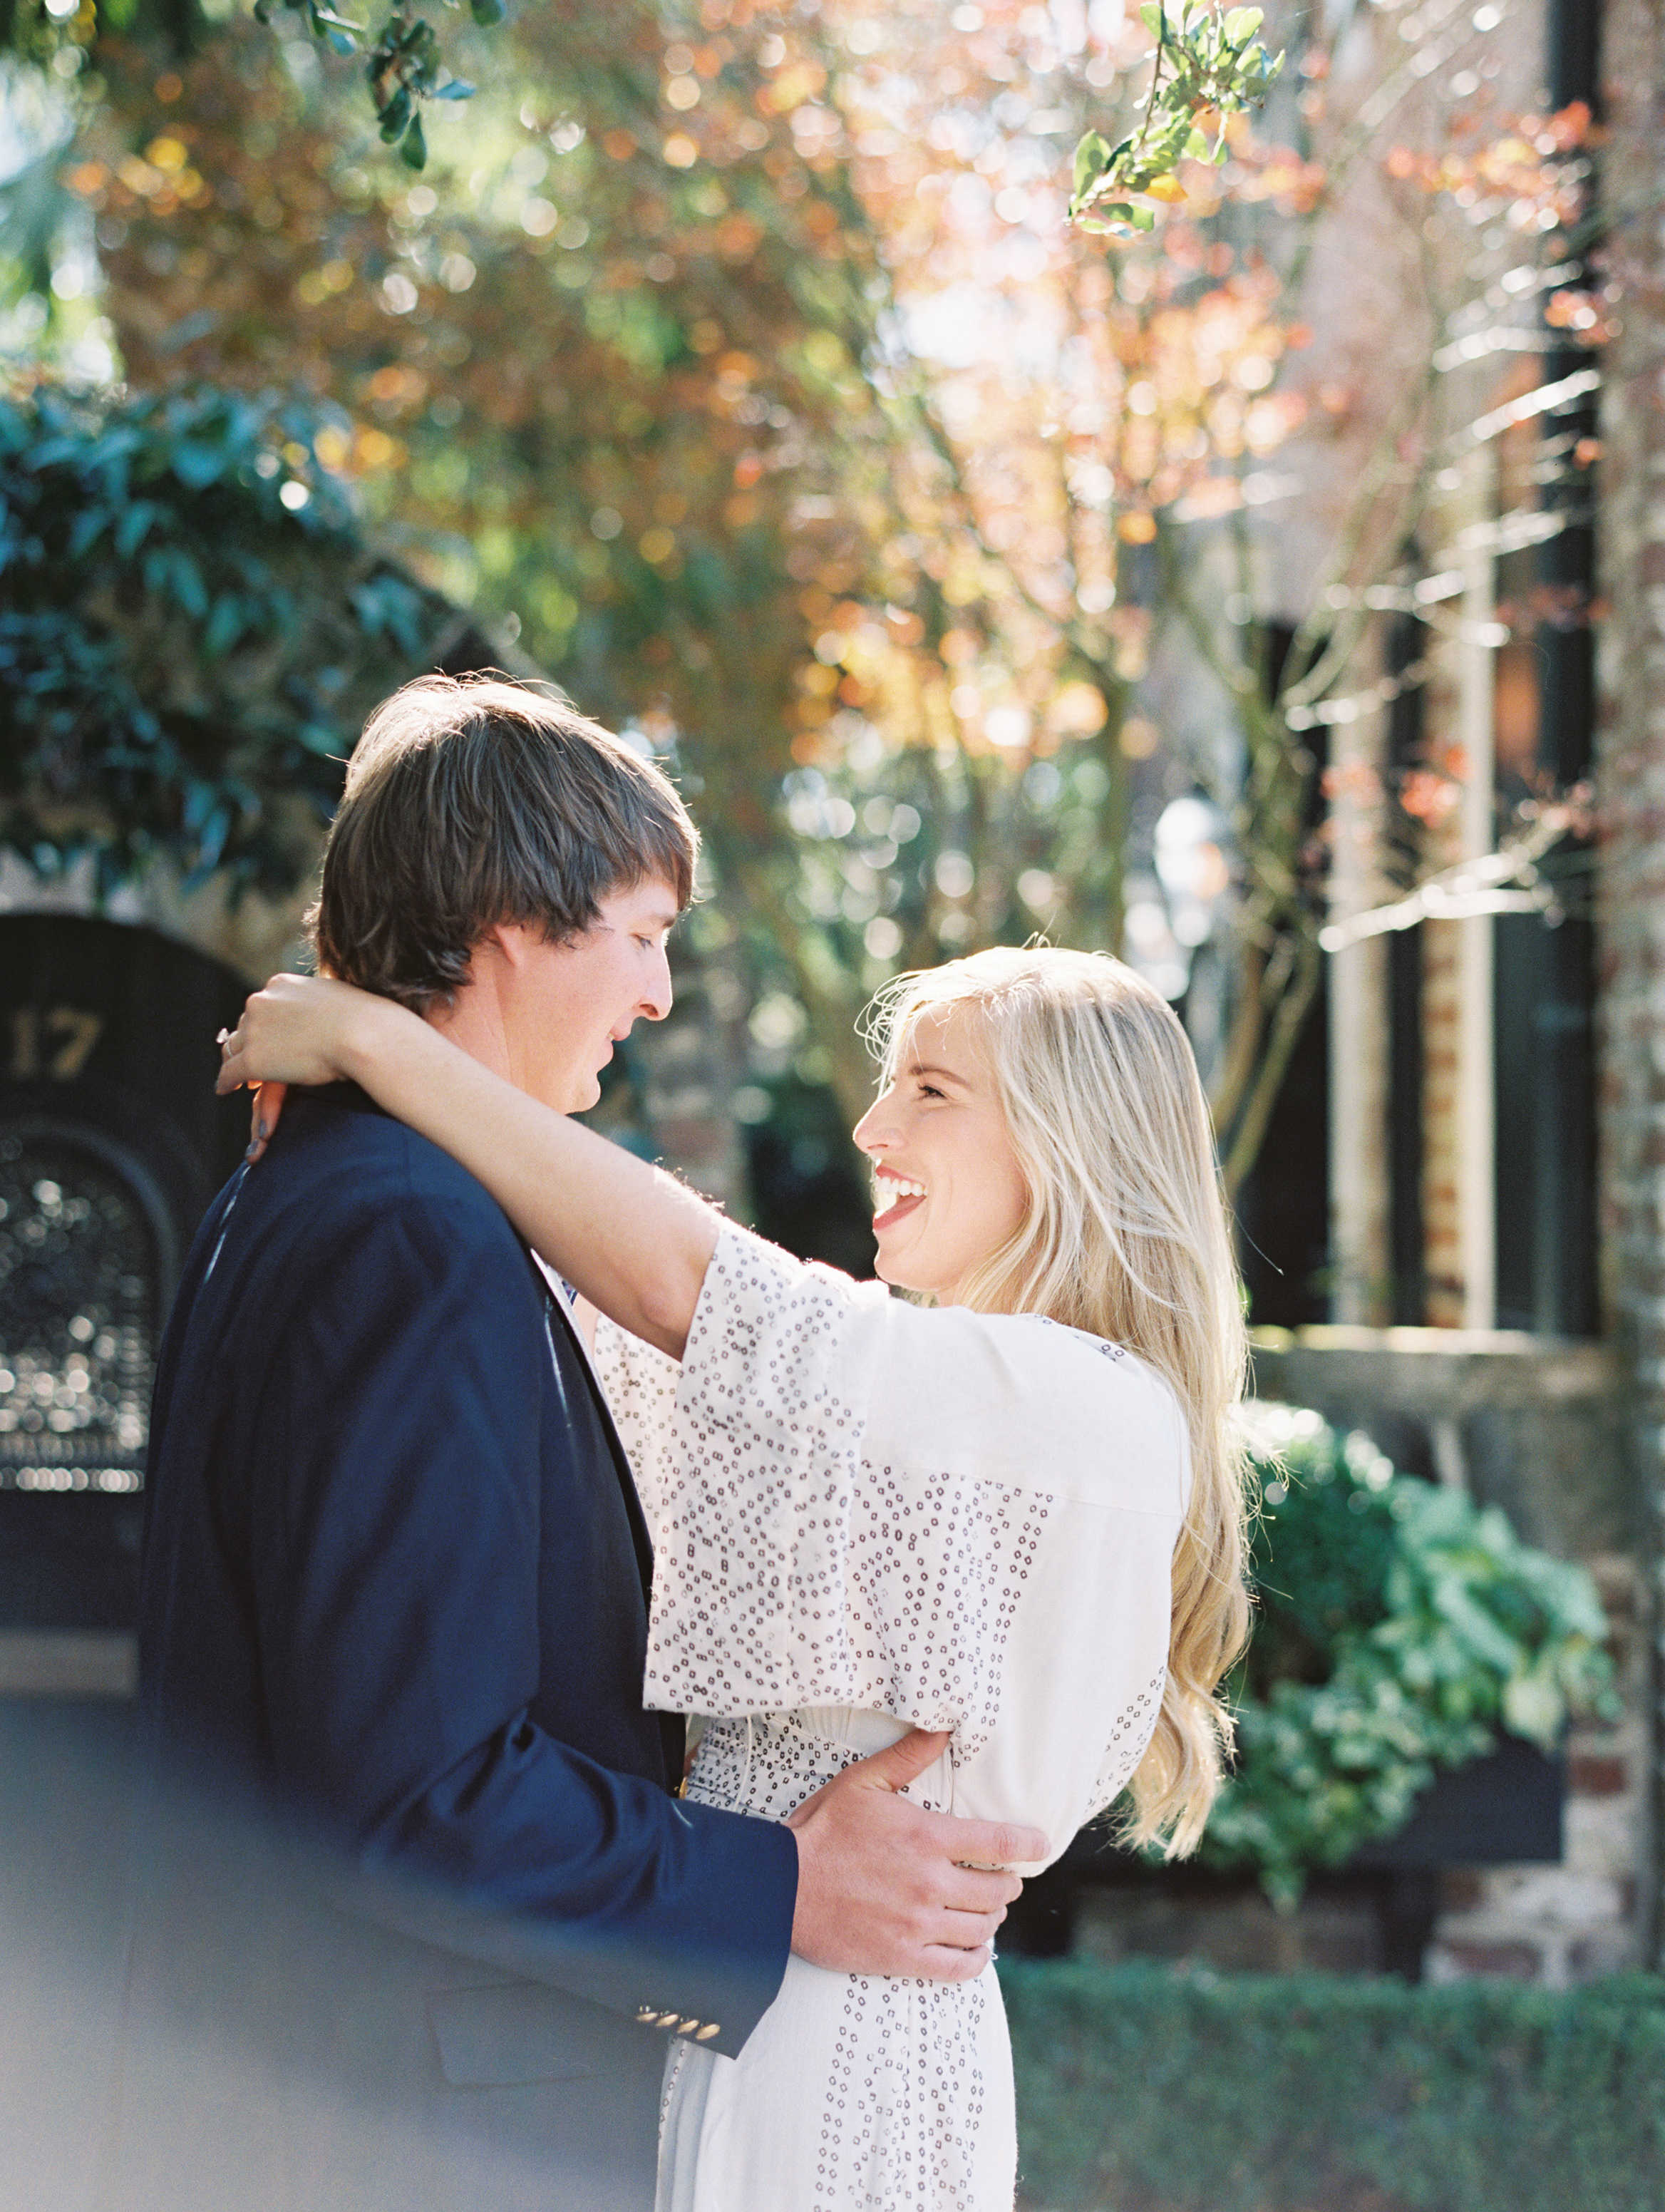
{"x":886,"y":1887}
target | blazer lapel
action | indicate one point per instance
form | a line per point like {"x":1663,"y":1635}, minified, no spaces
{"x":560,"y":1318}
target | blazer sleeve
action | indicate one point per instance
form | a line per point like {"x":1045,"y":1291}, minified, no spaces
{"x":394,"y":1524}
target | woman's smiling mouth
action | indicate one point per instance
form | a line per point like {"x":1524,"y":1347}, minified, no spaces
{"x":894,"y":1197}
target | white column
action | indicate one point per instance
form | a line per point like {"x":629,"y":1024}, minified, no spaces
{"x":1359,"y":1034}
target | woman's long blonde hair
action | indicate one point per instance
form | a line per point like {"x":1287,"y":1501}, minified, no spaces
{"x":1127,"y":1235}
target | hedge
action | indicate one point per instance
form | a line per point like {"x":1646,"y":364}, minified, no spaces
{"x":1142,"y":2089}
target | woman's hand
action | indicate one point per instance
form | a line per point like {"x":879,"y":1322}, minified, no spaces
{"x":300,"y":1029}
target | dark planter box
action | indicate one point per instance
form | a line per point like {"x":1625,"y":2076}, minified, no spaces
{"x":1502,"y":1810}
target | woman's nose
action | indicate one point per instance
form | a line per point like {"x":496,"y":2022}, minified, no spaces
{"x":873,"y":1133}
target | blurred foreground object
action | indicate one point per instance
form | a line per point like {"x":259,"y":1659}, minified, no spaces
{"x":304,"y":2039}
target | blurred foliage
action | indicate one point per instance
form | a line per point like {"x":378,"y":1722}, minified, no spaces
{"x":1465,"y":206}
{"x":404,"y":63}
{"x":1400,"y":1627}
{"x":1160,"y":2092}
{"x":191,"y":631}
{"x":1208,"y":65}
{"x":629,"y":380}
{"x":805,"y":1193}
{"x":744,"y":362}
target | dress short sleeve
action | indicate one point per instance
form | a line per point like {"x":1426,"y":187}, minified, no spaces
{"x":860,"y":1503}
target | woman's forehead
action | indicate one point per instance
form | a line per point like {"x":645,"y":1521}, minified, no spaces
{"x":948,"y":1034}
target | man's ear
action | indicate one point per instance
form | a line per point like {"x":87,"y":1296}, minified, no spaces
{"x":510,"y":942}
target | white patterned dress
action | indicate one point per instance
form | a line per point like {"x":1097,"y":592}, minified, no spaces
{"x":866,"y":1515}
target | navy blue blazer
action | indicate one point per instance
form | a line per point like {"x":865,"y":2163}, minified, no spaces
{"x":395,"y":1589}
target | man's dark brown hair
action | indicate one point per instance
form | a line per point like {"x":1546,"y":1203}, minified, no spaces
{"x":478,"y":801}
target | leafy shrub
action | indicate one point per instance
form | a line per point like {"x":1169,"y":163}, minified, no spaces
{"x":191,"y":632}
{"x":1400,"y":1628}
{"x":1144,"y":2090}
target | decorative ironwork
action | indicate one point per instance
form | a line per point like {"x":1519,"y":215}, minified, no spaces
{"x":78,"y":1300}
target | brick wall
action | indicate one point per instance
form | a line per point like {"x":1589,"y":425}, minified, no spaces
{"x":1558,"y":1925}
{"x":1631,"y":744}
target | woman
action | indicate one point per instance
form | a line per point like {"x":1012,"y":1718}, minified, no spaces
{"x":1015,"y":1514}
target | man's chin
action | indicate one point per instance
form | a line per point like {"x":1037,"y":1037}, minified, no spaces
{"x":575,"y":1094}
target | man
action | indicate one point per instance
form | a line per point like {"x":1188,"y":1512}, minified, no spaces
{"x":395,"y":1593}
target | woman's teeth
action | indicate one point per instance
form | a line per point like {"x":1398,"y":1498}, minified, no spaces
{"x":890,"y":1188}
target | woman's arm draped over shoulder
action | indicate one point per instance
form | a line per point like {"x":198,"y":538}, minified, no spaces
{"x":632,"y":1239}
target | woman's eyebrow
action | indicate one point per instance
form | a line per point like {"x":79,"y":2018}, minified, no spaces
{"x":941,"y":1074}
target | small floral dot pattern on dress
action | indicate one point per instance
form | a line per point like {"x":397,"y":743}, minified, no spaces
{"x":904,"y":2096}
{"x":1129,"y":1736}
{"x":884,"y":1588}
{"x":865,"y":1515}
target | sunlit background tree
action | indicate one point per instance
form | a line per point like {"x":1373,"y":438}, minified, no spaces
{"x":742,"y":368}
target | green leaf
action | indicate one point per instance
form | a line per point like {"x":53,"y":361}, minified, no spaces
{"x":413,"y":147}
{"x":1532,"y":1706}
{"x":487,"y":12}
{"x":88,"y":525}
{"x":1091,"y":159}
{"x":395,"y":115}
{"x":190,"y":592}
{"x":131,"y":530}
{"x":1242,"y":23}
{"x":197,"y":466}
{"x":1150,"y":15}
{"x":225,"y":626}
{"x":455,"y":87}
{"x":1142,"y":218}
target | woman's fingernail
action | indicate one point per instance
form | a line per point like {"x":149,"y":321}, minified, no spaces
{"x":252,"y":1149}
{"x":261,"y":1133}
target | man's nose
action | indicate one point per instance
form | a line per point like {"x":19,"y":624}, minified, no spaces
{"x":656,"y":1002}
